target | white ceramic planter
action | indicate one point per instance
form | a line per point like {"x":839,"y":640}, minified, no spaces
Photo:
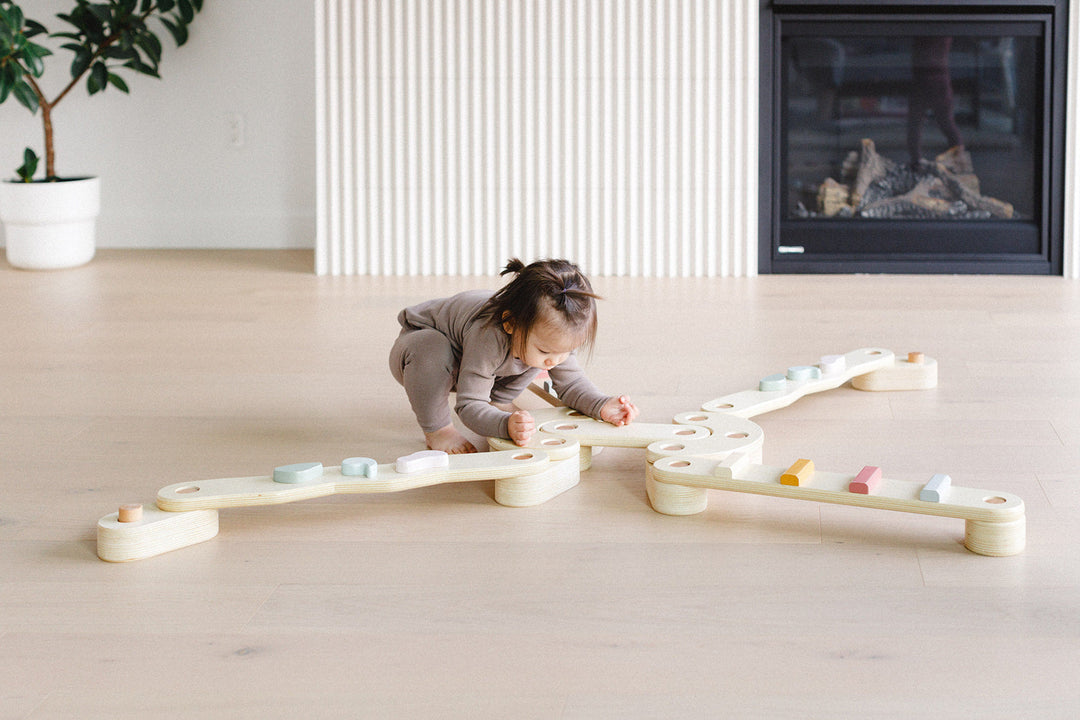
{"x":49,"y":226}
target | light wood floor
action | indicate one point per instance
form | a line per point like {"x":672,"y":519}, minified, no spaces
{"x":149,"y":368}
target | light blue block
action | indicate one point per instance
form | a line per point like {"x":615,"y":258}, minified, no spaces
{"x":803,"y":372}
{"x":359,"y":467}
{"x":298,"y":473}
{"x":934,"y":491}
{"x":773,"y":383}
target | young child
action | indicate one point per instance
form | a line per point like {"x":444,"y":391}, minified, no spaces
{"x":488,"y":348}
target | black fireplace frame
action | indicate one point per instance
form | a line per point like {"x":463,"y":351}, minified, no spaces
{"x":776,"y":232}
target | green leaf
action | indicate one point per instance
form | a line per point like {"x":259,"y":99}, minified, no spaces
{"x":149,"y":43}
{"x":9,"y":75}
{"x":178,"y":30}
{"x":120,"y":53}
{"x":197,"y":4}
{"x":87,"y":23}
{"x":15,"y":17}
{"x":33,"y":55}
{"x":25,"y":95}
{"x":103,"y":13}
{"x":33,"y":62}
{"x":34,"y":28}
{"x":166,"y":5}
{"x":140,"y":67}
{"x":187,"y":13}
{"x":118,"y":82}
{"x":29,"y":166}
{"x":98,"y":78}
{"x":81,"y":63}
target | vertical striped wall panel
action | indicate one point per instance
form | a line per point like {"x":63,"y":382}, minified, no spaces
{"x":454,"y":134}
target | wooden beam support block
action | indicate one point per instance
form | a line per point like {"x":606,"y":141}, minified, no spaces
{"x":867,"y":481}
{"x":936,"y":488}
{"x":799,"y":474}
{"x":917,"y":372}
{"x":154,"y":533}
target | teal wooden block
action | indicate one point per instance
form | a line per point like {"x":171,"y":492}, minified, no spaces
{"x":298,"y":473}
{"x":773,"y":383}
{"x":359,"y":467}
{"x":803,"y":372}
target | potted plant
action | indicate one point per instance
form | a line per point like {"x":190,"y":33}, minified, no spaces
{"x":49,"y":222}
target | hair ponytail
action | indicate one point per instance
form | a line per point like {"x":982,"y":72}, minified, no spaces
{"x":545,"y":290}
{"x":513,"y":266}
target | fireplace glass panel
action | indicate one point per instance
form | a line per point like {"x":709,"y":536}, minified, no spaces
{"x":905,"y":125}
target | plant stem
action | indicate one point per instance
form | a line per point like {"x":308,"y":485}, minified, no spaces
{"x":47,"y":106}
{"x":47,"y":126}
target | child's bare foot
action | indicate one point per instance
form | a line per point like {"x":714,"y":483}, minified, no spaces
{"x":449,"y":440}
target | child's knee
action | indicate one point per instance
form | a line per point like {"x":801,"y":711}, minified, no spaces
{"x":427,"y":352}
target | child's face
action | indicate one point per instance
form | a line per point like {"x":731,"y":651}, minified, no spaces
{"x":546,"y":347}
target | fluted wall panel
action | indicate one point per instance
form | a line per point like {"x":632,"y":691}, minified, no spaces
{"x":454,"y":134}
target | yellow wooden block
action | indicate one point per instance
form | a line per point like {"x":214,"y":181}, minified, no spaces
{"x":798,"y":474}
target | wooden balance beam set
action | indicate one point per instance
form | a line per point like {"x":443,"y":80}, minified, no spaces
{"x":715,"y":448}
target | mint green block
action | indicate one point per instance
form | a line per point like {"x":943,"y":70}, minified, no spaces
{"x":359,"y":467}
{"x":772,"y":383}
{"x":298,"y":473}
{"x":803,"y":372}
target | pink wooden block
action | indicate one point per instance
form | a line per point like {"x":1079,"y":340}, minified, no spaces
{"x":866,"y":481}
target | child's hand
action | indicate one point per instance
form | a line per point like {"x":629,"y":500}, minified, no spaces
{"x":520,"y":427}
{"x":619,"y":411}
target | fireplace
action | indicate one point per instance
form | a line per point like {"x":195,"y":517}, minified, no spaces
{"x":912,"y":137}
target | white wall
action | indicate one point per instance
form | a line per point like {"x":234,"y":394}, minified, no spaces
{"x":171,"y":177}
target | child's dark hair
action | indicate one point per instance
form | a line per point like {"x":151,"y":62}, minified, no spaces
{"x":540,"y":289}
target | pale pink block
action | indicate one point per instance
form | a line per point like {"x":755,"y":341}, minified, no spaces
{"x":866,"y":481}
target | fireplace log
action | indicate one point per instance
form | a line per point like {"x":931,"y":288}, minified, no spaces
{"x":834,"y":198}
{"x":925,"y":200}
{"x":872,"y":167}
{"x":961,"y":188}
{"x":946,"y":188}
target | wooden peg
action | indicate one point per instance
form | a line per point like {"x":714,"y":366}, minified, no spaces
{"x":130,"y":513}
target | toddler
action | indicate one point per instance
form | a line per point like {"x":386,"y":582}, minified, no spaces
{"x":489,"y":347}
